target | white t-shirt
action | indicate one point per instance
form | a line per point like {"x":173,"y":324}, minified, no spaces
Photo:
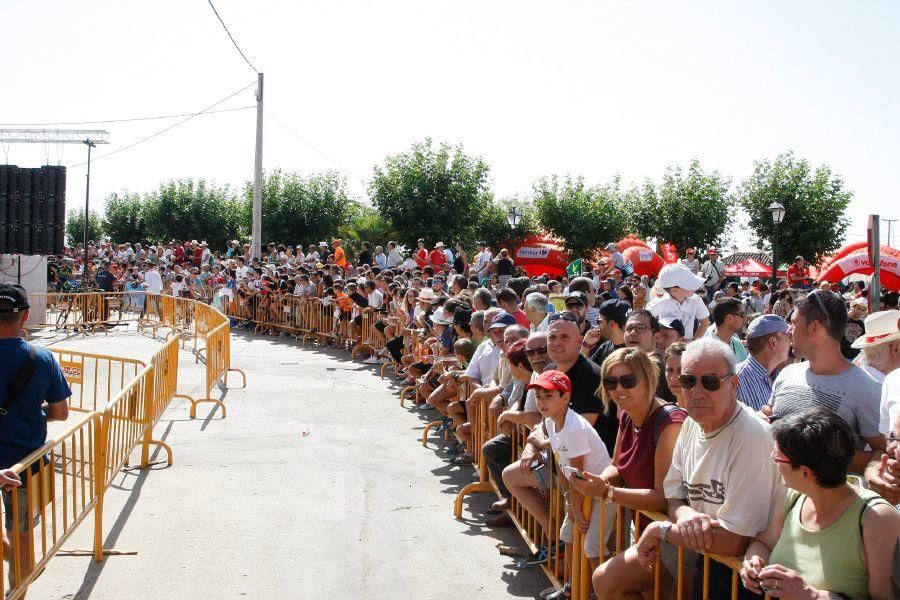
{"x":176,"y":287}
{"x":376,"y":299}
{"x":484,"y":362}
{"x":483,"y":260}
{"x":853,"y":395}
{"x":153,"y":281}
{"x":577,"y":438}
{"x":728,"y":473}
{"x":890,"y":402}
{"x":394,"y":259}
{"x":688,"y":312}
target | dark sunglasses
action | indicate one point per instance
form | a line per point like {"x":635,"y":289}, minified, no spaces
{"x":533,"y":351}
{"x":710,"y":383}
{"x":562,"y":315}
{"x":628,"y":382}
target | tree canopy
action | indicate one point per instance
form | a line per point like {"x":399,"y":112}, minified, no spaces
{"x":692,"y":209}
{"x":432,"y":193}
{"x":815,"y":203}
{"x":583,"y":217}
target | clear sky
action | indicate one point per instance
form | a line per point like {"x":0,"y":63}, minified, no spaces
{"x":585,"y":87}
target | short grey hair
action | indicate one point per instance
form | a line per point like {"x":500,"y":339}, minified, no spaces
{"x":477,"y":319}
{"x":710,"y":347}
{"x":538,"y":302}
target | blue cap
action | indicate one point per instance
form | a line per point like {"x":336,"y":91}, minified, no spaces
{"x":502,"y":321}
{"x":765,"y":325}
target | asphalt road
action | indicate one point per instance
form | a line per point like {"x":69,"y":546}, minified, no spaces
{"x":315,"y":485}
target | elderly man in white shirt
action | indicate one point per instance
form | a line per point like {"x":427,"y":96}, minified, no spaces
{"x":680,"y":302}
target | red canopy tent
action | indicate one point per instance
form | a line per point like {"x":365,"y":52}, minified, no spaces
{"x":749,"y":267}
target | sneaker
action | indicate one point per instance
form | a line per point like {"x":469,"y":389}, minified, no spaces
{"x":546,"y":592}
{"x":539,"y":557}
{"x":371,"y":361}
{"x":426,"y":406}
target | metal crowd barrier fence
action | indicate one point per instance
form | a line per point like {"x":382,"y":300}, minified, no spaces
{"x":62,"y":483}
{"x":95,"y":379}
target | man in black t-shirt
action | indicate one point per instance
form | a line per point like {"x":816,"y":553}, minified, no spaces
{"x":563,"y":348}
{"x":610,"y":328}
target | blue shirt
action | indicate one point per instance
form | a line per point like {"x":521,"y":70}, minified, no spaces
{"x":24,"y":429}
{"x":754,"y":385}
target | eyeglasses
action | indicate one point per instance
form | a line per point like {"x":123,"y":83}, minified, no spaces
{"x":628,"y":382}
{"x":575,"y":305}
{"x":562,"y":315}
{"x":534,"y":351}
{"x":710,"y":383}
{"x":636,"y":328}
{"x":777,"y":460}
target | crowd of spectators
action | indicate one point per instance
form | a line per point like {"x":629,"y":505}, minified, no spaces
{"x":764,"y":423}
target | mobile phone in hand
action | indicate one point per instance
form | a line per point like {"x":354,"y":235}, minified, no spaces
{"x":573,"y":472}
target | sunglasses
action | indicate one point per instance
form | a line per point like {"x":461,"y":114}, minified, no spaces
{"x":710,"y":383}
{"x":534,"y":351}
{"x":816,"y":296}
{"x":575,"y":305}
{"x":564,"y":316}
{"x":628,"y":382}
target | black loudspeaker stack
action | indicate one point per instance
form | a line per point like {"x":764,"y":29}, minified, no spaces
{"x":32,"y":210}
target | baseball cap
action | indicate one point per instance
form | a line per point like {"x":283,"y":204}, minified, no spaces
{"x":552,"y":380}
{"x":615,"y":310}
{"x":678,"y":275}
{"x":502,"y":321}
{"x":12,"y":298}
{"x":765,"y":325}
{"x":578,"y":296}
{"x":672,"y":323}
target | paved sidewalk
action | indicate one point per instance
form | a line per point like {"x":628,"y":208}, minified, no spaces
{"x":316,"y":482}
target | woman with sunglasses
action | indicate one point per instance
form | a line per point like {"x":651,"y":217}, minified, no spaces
{"x":829,"y":539}
{"x":648,"y":429}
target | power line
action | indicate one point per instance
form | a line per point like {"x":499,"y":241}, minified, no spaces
{"x":225,"y":27}
{"x":169,"y":128}
{"x":299,"y":137}
{"x":211,"y":112}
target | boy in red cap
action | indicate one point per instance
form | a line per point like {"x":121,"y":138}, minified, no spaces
{"x":576,"y":446}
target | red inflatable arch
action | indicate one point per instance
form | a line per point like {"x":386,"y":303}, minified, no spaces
{"x":539,"y":254}
{"x":645,"y":260}
{"x":857,"y":260}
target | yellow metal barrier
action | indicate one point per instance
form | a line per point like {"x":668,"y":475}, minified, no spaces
{"x":95,"y":379}
{"x":165,"y":384}
{"x":62,"y":484}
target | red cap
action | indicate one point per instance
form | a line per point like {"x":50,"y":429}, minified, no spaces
{"x":552,"y":380}
{"x":712,"y":250}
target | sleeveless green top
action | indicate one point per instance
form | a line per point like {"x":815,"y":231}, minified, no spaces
{"x":829,"y":559}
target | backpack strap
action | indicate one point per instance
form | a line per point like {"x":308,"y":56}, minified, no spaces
{"x":20,"y":380}
{"x":664,"y":411}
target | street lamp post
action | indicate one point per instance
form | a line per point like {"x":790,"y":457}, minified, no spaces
{"x":87,"y":215}
{"x":514,"y":217}
{"x":777,"y":210}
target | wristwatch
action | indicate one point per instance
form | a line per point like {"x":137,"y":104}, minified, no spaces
{"x":664,"y":528}
{"x":610,"y":494}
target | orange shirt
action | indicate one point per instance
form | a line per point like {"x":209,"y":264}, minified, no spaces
{"x":344,"y":301}
{"x":340,"y":259}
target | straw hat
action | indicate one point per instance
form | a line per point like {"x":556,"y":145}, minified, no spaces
{"x":881,"y":328}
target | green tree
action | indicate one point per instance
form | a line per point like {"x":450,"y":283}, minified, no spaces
{"x":815,"y":201}
{"x":432,"y":193}
{"x":366,"y":225}
{"x":298,"y":209}
{"x":123,"y":218}
{"x":583,"y":217}
{"x":75,"y":227}
{"x":186,"y":210}
{"x":493,"y":227}
{"x":692,"y":209}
